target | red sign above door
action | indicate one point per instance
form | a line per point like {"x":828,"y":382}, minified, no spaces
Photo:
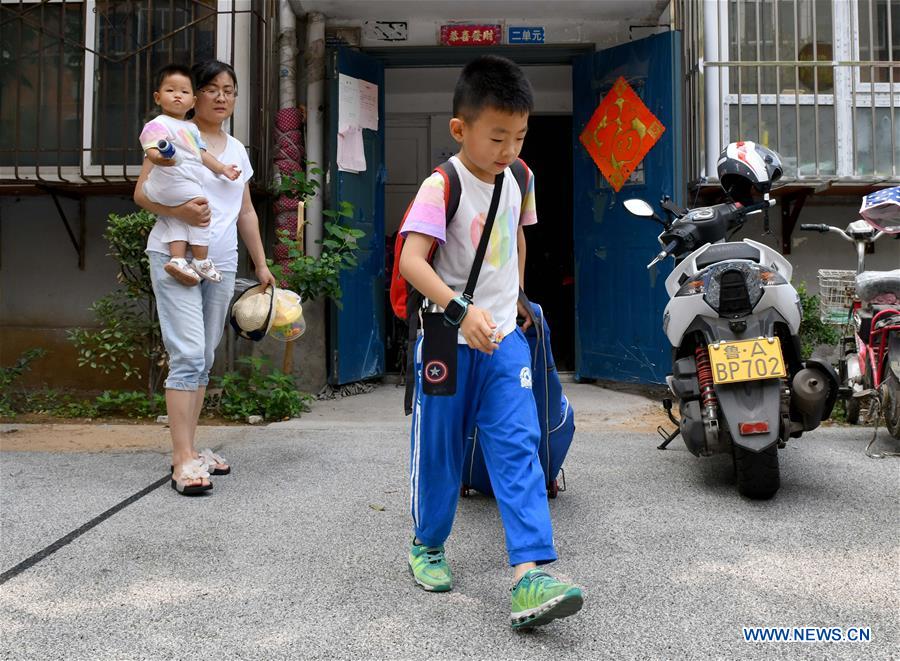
{"x":620,"y":133}
{"x":471,"y":35}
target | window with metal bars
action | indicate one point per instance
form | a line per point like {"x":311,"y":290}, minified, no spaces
{"x":77,"y":78}
{"x":815,"y":80}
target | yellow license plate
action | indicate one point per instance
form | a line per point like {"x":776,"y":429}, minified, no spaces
{"x":746,"y":360}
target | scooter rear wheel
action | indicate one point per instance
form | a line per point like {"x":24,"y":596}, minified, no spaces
{"x":758,"y":475}
{"x":890,"y":402}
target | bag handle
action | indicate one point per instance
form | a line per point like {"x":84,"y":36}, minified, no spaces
{"x":469,"y":291}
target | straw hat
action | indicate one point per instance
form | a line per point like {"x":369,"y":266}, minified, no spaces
{"x":252,"y":312}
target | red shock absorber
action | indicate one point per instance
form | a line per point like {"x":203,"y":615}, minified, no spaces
{"x":705,"y":377}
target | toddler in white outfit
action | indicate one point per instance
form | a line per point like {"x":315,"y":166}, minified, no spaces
{"x":177,"y":180}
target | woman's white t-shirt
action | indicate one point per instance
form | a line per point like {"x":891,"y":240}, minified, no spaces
{"x":225,"y":199}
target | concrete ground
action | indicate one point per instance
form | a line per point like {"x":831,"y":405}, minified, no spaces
{"x":300,"y":553}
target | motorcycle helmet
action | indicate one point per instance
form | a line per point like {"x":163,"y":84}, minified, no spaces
{"x":744,"y":166}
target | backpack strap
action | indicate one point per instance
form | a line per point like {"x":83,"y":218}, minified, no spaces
{"x":452,"y":188}
{"x":522,"y":173}
{"x":414,"y":299}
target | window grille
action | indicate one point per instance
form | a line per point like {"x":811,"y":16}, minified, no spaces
{"x":77,"y":80}
{"x":815,"y":80}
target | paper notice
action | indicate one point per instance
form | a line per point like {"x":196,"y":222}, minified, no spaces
{"x":357,"y":103}
{"x":351,"y":153}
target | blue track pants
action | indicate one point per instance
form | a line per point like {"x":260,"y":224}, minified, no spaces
{"x":493,"y":393}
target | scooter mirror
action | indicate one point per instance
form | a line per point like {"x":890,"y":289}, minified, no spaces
{"x":639,"y":208}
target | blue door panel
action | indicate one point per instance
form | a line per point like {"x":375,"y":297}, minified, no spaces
{"x":618,"y":302}
{"x":356,"y":329}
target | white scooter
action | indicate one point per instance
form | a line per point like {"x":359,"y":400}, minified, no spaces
{"x":733,"y":322}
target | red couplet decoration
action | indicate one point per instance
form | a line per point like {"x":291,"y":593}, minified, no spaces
{"x":620,"y":133}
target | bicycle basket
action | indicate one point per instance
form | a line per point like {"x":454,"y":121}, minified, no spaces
{"x":837,"y":289}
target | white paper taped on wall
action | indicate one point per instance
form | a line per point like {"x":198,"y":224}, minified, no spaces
{"x":357,"y":110}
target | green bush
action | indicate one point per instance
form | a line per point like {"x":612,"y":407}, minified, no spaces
{"x":260,"y":391}
{"x":128,"y":340}
{"x":48,"y":401}
{"x":812,"y":331}
{"x":130,"y":404}
{"x":9,"y":376}
{"x":313,"y":277}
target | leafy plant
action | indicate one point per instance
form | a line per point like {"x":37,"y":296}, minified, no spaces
{"x":9,"y":375}
{"x":130,"y":404}
{"x":813,"y":331}
{"x":48,"y":401}
{"x":312,"y":277}
{"x":128,"y":339}
{"x":298,"y":186}
{"x":269,"y":393}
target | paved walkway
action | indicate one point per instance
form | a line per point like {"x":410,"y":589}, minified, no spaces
{"x":301,"y":552}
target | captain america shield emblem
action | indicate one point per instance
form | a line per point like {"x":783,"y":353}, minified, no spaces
{"x":436,"y":371}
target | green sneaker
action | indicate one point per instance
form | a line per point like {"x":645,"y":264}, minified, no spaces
{"x":430,"y":568}
{"x":538,"y":598}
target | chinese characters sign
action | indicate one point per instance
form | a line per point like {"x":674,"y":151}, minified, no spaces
{"x":471,"y":35}
{"x":620,"y":133}
{"x":526,"y":35}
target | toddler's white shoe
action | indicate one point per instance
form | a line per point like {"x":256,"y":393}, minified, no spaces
{"x":206,"y":269}
{"x":178,"y":268}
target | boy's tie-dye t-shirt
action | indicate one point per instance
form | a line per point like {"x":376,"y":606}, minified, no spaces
{"x":498,"y":282}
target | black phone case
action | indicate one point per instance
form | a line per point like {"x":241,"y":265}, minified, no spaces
{"x":438,"y":355}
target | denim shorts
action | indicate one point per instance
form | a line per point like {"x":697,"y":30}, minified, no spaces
{"x":192,"y":320}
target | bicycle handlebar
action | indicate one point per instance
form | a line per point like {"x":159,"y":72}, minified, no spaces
{"x":823,"y":229}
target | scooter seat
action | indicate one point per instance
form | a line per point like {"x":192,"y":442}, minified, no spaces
{"x":723,"y":252}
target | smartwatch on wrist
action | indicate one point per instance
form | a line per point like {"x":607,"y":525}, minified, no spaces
{"x":456,"y":310}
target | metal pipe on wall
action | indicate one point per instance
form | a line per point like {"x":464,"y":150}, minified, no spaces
{"x":712,"y":42}
{"x":287,"y":60}
{"x":314,"y":59}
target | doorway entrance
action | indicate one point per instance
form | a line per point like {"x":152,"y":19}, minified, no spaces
{"x":550,"y":262}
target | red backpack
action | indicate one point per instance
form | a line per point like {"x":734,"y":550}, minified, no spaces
{"x":405,"y":299}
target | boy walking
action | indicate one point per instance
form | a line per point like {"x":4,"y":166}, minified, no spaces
{"x":491,"y":104}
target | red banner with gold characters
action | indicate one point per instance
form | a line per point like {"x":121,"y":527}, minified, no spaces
{"x":620,"y":133}
{"x":471,"y":35}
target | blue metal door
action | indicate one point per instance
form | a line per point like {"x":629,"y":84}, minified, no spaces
{"x":356,"y":329}
{"x":618,"y":303}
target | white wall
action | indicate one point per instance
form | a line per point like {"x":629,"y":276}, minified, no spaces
{"x":43,"y":293}
{"x":430,"y":91}
{"x":40,"y":283}
{"x":811,"y":251}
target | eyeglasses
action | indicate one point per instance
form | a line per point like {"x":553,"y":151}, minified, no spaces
{"x":214,"y":92}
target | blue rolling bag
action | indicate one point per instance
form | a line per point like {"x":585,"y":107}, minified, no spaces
{"x":555,"y":415}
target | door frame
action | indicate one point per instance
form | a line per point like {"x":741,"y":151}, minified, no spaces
{"x":445,"y":56}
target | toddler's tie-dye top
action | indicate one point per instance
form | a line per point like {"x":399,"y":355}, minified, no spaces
{"x":188,"y":146}
{"x":183,"y":134}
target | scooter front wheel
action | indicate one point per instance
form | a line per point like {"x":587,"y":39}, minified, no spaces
{"x":758,"y":475}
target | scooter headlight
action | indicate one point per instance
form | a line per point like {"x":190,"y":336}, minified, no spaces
{"x":734,"y":288}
